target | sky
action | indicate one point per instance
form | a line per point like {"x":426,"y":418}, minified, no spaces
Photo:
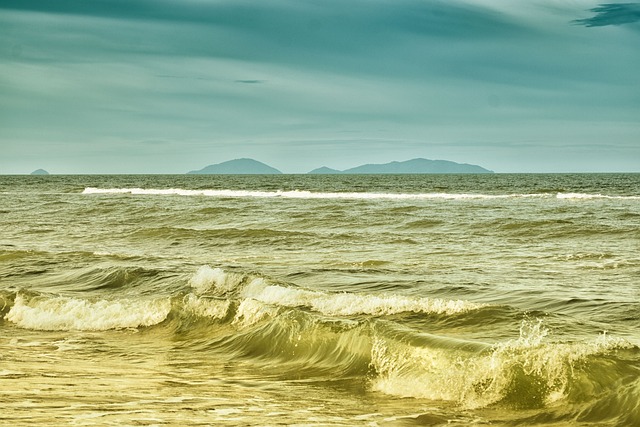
{"x":169,"y":86}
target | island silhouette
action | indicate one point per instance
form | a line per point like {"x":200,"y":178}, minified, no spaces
{"x":247,"y":166}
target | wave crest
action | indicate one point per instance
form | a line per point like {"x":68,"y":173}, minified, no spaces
{"x":305,"y":194}
{"x":217,"y":281}
{"x":347,"y":304}
{"x":524,"y":373}
{"x":63,"y":313}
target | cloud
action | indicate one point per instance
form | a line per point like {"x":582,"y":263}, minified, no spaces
{"x":436,"y":17}
{"x":612,"y":14}
{"x":284,"y":29}
{"x":267,"y":78}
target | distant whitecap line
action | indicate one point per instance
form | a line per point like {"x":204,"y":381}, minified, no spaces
{"x":304,"y":194}
{"x":593,"y":196}
{"x":301,"y":194}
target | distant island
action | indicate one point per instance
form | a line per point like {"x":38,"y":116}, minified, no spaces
{"x":39,"y":172}
{"x":237,"y":167}
{"x":414,"y":166}
{"x":417,"y":166}
{"x":324,"y":171}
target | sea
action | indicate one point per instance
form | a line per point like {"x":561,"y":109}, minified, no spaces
{"x":320,"y":300}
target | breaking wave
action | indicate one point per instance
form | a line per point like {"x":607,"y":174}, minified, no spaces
{"x":333,"y":335}
{"x":524,"y":373}
{"x":304,"y":194}
{"x":330,"y":304}
{"x":63,"y":313}
{"x":214,"y":294}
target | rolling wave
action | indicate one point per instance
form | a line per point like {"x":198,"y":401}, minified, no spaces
{"x":328,"y":335}
{"x":529,"y":372}
{"x":64,"y":313}
{"x":215,"y":294}
{"x":524,"y":373}
{"x":330,"y":304}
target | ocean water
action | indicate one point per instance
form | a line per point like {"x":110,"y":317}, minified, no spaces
{"x":320,"y":300}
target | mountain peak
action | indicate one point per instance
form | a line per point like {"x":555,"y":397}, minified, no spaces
{"x":413,"y":166}
{"x":243,"y":166}
{"x":324,"y":171}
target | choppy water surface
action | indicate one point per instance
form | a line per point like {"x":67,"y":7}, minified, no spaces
{"x":320,"y":300}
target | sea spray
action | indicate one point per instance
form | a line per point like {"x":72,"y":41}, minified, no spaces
{"x":206,"y":307}
{"x":528,"y":372}
{"x":207,"y":279}
{"x":218,"y":282}
{"x":63,"y":313}
{"x":251,"y":311}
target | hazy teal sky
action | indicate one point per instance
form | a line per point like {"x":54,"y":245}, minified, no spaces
{"x":168,"y":86}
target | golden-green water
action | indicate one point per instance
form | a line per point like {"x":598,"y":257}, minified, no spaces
{"x":320,"y":300}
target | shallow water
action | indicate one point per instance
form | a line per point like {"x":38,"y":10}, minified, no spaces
{"x":320,"y":300}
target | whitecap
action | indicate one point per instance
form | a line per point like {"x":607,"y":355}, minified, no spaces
{"x":530,"y":369}
{"x":63,"y":313}
{"x":348,"y":304}
{"x":305,"y":194}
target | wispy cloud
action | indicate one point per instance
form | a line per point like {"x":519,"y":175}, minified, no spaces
{"x":269,"y":77}
{"x":612,"y":14}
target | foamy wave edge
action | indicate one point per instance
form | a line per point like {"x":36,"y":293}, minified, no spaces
{"x":299,"y":194}
{"x":586,"y":196}
{"x":331,"y":304}
{"x":529,"y":369}
{"x":304,"y":194}
{"x":65,"y":313}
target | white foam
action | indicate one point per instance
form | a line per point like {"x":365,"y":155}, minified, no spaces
{"x":260,"y":299}
{"x":346,"y":304}
{"x":304,"y":194}
{"x":251,"y":311}
{"x":216,"y":280}
{"x":205,"y":278}
{"x":586,"y":196}
{"x":62,"y":313}
{"x":479,"y":379}
{"x":204,"y":307}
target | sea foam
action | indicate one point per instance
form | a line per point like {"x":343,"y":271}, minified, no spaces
{"x":348,"y":304}
{"x":204,"y":307}
{"x":62,"y":313}
{"x":586,"y":196}
{"x":304,"y":194}
{"x":253,"y":292}
{"x":207,"y":278}
{"x":527,"y":372}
